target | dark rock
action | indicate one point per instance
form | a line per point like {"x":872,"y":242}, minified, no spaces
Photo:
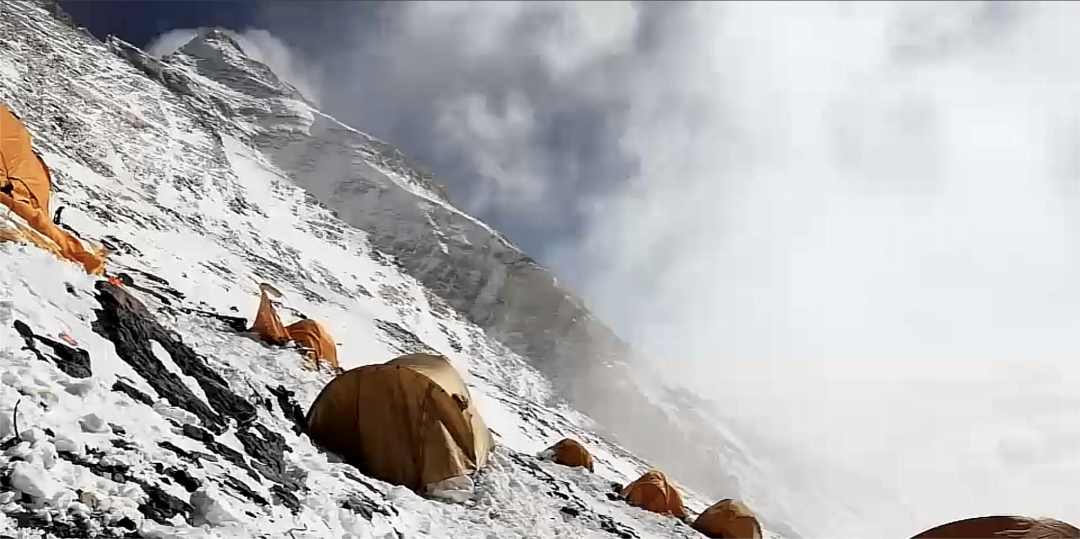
{"x":268,"y":449}
{"x":120,"y":443}
{"x":235,"y":323}
{"x":286,"y":498}
{"x":197,"y":434}
{"x":129,"y":325}
{"x":290,"y":409}
{"x":571,"y":511}
{"x":228,"y":453}
{"x":162,"y":506}
{"x":117,"y":245}
{"x":407,"y":341}
{"x":130,"y":391}
{"x":55,"y":526}
{"x":183,"y":479}
{"x":609,"y":525}
{"x":74,"y":362}
{"x":366,"y":508}
{"x":180,"y":452}
{"x":245,"y":490}
{"x":117,"y":429}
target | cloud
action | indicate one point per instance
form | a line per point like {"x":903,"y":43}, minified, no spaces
{"x":259,"y":45}
{"x":863,"y":218}
{"x":170,"y":41}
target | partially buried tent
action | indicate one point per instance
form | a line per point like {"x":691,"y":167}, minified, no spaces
{"x":308,"y":333}
{"x":728,"y":519}
{"x":654,"y":492}
{"x":569,"y":452}
{"x":408,"y":422}
{"x":26,"y":188}
{"x":1010,"y":527}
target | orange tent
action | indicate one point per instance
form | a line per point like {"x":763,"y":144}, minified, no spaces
{"x":728,"y":519}
{"x":1009,"y":527}
{"x":655,"y":492}
{"x":409,"y":422}
{"x":308,"y":333}
{"x":571,"y":453}
{"x":25,"y":188}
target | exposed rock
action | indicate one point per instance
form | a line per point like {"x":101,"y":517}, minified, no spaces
{"x":288,"y":405}
{"x":74,"y":362}
{"x":129,"y":325}
{"x":162,"y":506}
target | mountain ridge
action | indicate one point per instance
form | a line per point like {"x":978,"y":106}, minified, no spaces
{"x":464,"y":264}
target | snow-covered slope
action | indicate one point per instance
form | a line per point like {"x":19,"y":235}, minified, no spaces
{"x":193,"y":172}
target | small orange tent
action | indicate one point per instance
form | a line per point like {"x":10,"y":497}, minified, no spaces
{"x":654,"y":492}
{"x":1009,"y":527}
{"x":728,"y":519}
{"x":569,"y":452}
{"x":25,"y":188}
{"x":308,"y":333}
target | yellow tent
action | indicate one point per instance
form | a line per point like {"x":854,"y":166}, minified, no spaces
{"x":408,"y":422}
{"x":307,"y":333}
{"x":25,"y":188}
{"x":569,"y":452}
{"x":1006,"y":527}
{"x":728,"y":519}
{"x":654,"y":492}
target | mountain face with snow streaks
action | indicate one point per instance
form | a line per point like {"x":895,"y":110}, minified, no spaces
{"x":204,"y":173}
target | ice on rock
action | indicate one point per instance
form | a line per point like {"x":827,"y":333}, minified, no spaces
{"x":47,"y":454}
{"x":19,"y":451}
{"x":33,"y":479}
{"x":65,"y":444}
{"x":90,"y":497}
{"x":455,"y":489}
{"x":10,"y":379}
{"x":211,"y":507}
{"x":94,"y":423}
{"x":32,"y":435}
{"x":64,"y":498}
{"x":80,"y":388}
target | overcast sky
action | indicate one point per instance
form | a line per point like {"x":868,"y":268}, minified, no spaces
{"x":861,"y":220}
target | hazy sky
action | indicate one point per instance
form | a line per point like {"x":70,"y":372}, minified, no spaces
{"x":860,"y":220}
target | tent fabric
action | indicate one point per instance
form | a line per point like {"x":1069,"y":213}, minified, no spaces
{"x":16,"y":231}
{"x":654,"y":492}
{"x":27,"y":187}
{"x":1008,"y":527}
{"x":728,"y":519}
{"x":312,"y":335}
{"x":307,"y":333}
{"x":569,"y":452}
{"x":267,"y":322}
{"x":409,"y":422}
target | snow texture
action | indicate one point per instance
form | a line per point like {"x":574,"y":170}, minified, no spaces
{"x":166,"y":418}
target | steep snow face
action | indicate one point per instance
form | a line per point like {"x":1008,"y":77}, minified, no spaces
{"x":184,"y":425}
{"x":472,"y":268}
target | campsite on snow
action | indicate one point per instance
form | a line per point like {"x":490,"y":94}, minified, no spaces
{"x":198,"y":341}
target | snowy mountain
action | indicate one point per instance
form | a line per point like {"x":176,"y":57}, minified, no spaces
{"x":204,"y":174}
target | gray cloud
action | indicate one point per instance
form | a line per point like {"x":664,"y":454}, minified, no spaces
{"x":861,"y":217}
